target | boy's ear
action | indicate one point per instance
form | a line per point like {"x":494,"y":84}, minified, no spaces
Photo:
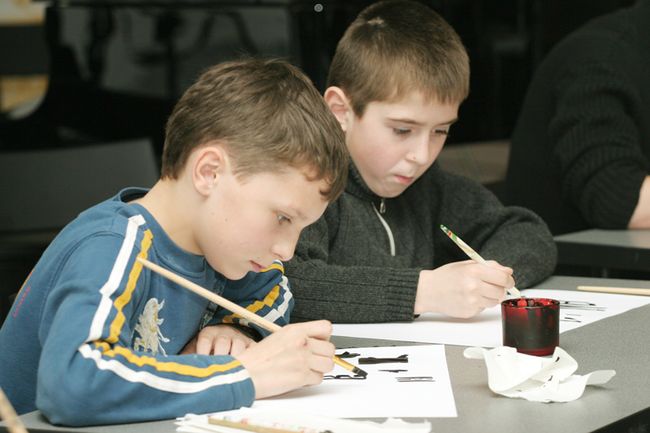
{"x":339,"y":105}
{"x":210,"y":164}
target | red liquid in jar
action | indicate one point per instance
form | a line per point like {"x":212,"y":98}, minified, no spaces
{"x":531,"y":325}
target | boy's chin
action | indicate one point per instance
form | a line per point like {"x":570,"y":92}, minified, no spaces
{"x":389,"y":192}
{"x":233,"y":273}
{"x":394,"y":194}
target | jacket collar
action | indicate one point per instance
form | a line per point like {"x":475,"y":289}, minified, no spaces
{"x":358,"y":187}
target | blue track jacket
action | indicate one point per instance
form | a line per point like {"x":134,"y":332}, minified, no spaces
{"x":93,"y":337}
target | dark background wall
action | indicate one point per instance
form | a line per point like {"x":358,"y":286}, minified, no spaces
{"x":117,"y":66}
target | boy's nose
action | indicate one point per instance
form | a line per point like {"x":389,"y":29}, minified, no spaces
{"x":420,"y":153}
{"x":284,"y":249}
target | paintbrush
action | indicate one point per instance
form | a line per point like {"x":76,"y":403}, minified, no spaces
{"x":472,"y":254}
{"x":231,"y":306}
{"x":8,"y":414}
{"x":621,"y":290}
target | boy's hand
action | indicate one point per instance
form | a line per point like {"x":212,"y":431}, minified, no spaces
{"x":218,"y":340}
{"x":295,"y":356}
{"x":462,"y":289}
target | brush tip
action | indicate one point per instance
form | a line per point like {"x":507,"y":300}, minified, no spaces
{"x":359,"y":372}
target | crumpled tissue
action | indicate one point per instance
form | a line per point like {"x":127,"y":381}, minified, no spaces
{"x":517,"y":375}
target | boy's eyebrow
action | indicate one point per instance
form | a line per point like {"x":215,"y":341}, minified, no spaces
{"x":296,"y":212}
{"x":416,"y":123}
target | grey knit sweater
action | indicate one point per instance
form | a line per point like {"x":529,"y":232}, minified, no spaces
{"x":581,"y":148}
{"x":344,"y":271}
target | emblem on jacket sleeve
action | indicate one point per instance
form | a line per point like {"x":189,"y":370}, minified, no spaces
{"x":150,"y":339}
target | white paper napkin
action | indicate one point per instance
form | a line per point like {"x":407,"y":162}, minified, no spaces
{"x":517,"y":375}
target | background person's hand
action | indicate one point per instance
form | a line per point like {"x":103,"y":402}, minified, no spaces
{"x":462,"y":289}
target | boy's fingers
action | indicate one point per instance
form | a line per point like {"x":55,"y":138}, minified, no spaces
{"x":321,"y":364}
{"x":203,"y":346}
{"x":313,"y":378}
{"x":497,"y":265}
{"x":321,"y":329}
{"x":510,"y":283}
{"x":238,"y":346}
{"x":222,"y":346}
{"x":493,"y":293}
{"x":321,"y":347}
{"x":497,"y":277}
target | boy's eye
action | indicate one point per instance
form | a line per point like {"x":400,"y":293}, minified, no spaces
{"x":283,"y":219}
{"x":401,"y":131}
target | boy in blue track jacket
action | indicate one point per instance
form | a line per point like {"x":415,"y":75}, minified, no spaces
{"x":252,"y":155}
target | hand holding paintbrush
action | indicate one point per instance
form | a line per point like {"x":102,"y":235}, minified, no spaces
{"x":255,"y":354}
{"x":471,"y":253}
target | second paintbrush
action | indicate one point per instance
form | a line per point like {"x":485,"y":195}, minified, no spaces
{"x":472,"y":254}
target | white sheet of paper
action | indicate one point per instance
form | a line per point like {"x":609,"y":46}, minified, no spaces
{"x":485,"y":329}
{"x":380,"y":395}
{"x":294,"y":421}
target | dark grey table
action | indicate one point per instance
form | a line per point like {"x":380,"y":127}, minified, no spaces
{"x":605,"y":250}
{"x":621,"y":343}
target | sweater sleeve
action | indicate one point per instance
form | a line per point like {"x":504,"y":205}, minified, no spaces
{"x":266,"y":294}
{"x":346,"y":293}
{"x":597,"y":143}
{"x":89,"y":371}
{"x":511,"y":235}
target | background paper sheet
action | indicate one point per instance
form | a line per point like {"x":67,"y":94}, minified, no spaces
{"x":485,"y":329}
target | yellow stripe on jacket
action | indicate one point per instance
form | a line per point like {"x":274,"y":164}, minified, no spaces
{"x":124,"y":298}
{"x":167,"y":367}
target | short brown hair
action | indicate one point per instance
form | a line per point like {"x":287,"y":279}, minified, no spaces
{"x":267,"y":113}
{"x":396,"y":47}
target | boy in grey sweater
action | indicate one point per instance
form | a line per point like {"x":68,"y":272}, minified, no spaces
{"x":395,"y":85}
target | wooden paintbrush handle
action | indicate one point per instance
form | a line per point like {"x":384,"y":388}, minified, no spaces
{"x":621,"y":290}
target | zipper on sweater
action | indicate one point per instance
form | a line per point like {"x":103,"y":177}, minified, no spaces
{"x":391,"y":239}
{"x":382,"y":206}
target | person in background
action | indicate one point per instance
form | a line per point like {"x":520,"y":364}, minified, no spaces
{"x":580,"y":154}
{"x":397,"y":79}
